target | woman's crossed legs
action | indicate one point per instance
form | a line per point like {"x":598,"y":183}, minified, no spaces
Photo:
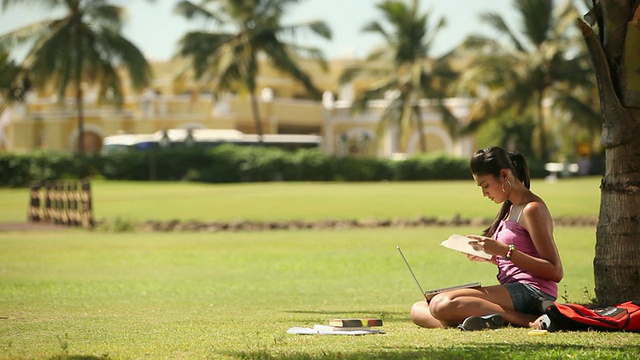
{"x":453,"y":307}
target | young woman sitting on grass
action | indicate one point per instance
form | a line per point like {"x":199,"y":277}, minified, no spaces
{"x":524,"y":251}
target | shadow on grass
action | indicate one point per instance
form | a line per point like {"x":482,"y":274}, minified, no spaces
{"x":385,"y":315}
{"x":333,"y":312}
{"x":78,"y":357}
{"x":466,"y":351}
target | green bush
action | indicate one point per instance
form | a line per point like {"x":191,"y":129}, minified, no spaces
{"x":14,"y":170}
{"x":22,"y":169}
{"x":231,"y":163}
{"x":433,"y":167}
{"x":129,"y":166}
{"x":222,"y":165}
{"x":362,"y":169}
{"x":311,"y":165}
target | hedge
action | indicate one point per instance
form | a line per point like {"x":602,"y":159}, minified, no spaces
{"x":230,"y":163}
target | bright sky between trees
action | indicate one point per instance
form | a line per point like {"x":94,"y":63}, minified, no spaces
{"x":155,"y":29}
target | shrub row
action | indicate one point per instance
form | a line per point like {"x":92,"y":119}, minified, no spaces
{"x":229,"y":163}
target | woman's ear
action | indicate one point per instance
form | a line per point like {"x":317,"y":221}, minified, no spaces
{"x":504,"y":174}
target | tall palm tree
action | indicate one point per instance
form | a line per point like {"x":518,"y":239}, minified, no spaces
{"x":85,"y":45}
{"x":611,"y":35}
{"x":247,"y":29}
{"x":544,"y":63}
{"x":14,"y":82}
{"x":14,"y":85}
{"x":406,"y":73}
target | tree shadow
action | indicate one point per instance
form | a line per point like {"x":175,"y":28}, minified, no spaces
{"x":78,"y":357}
{"x":386,"y":316}
{"x":456,"y":351}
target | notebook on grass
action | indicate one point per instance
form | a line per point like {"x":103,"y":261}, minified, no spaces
{"x":429,"y":294}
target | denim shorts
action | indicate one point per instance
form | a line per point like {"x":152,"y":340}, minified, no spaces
{"x":527,"y":298}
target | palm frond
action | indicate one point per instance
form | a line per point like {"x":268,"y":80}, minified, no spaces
{"x":24,"y":35}
{"x":109,"y":85}
{"x":321,"y":28}
{"x":450,"y":121}
{"x":317,"y":27}
{"x":537,"y":17}
{"x":309,"y":53}
{"x":376,"y":27}
{"x":192,"y":11}
{"x":283,"y":60}
{"x":581,"y":112}
{"x":500,"y":25}
{"x":433,"y":33}
{"x":203,"y":48}
{"x":48,"y":4}
{"x":14,"y":80}
{"x":117,"y":51}
{"x":49,"y":61}
{"x":107,"y":16}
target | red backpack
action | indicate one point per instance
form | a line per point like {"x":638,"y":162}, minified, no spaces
{"x":620,"y":317}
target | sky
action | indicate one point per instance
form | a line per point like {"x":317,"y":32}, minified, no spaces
{"x":155,"y":29}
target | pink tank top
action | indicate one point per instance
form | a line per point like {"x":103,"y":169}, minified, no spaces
{"x":511,"y":232}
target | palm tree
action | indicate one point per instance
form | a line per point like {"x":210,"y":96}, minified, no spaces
{"x":83,"y":46}
{"x":14,"y":83}
{"x":611,"y":35}
{"x":405,"y":72}
{"x":249,"y":29}
{"x":545,"y":64}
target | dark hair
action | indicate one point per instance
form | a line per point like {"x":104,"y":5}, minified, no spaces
{"x":490,"y":161}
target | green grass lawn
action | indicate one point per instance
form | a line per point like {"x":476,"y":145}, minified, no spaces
{"x":233,"y":295}
{"x":81,"y":294}
{"x":139,"y":201}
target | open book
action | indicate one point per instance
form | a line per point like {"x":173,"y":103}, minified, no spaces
{"x":461,"y":243}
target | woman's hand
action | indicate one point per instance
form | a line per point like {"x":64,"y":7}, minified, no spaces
{"x":488,"y":245}
{"x":481,"y":259}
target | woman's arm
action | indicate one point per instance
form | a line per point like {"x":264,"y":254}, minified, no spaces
{"x":537,"y":220}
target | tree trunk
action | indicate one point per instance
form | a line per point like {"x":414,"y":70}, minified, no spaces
{"x":420,"y":126}
{"x":544,"y":151}
{"x":256,"y":115}
{"x":79,"y":105}
{"x":617,"y":260}
{"x":615,"y":57}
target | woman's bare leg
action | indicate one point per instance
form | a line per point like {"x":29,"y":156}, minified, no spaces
{"x":421,"y":315}
{"x":455,"y":306}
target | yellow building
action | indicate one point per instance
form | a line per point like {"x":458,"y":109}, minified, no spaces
{"x":44,"y":123}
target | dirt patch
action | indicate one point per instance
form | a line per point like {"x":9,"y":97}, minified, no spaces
{"x":31,"y":226}
{"x":249,"y":225}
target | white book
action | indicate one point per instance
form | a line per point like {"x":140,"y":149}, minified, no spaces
{"x":330,"y":330}
{"x":461,"y":243}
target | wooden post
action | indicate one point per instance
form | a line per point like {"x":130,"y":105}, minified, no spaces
{"x":58,"y":206}
{"x":48,"y":211}
{"x":72,"y":207}
{"x":34,"y":213}
{"x":86,"y":213}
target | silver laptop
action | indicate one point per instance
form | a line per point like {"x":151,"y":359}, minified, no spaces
{"x":429,"y":294}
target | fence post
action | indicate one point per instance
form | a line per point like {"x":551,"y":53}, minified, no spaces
{"x":62,"y":203}
{"x":34,"y":214}
{"x":86,"y":214}
{"x":72,"y":203}
{"x":56,"y":211}
{"x":48,"y":211}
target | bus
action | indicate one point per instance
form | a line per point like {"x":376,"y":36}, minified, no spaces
{"x":206,"y":138}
